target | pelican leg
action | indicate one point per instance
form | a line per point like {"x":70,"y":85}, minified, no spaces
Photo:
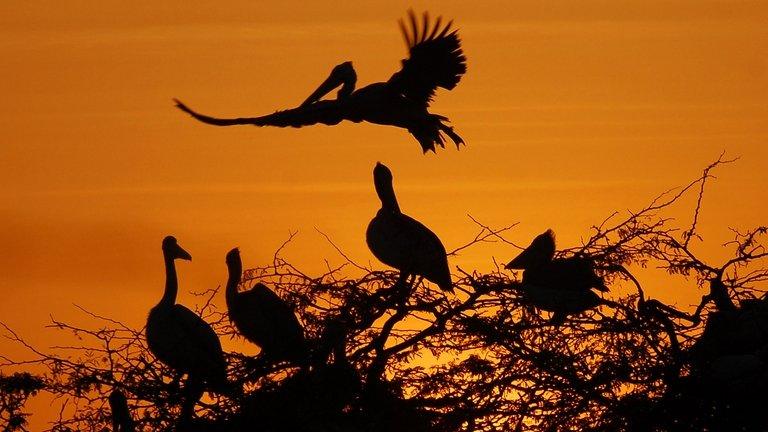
{"x":257,"y":367}
{"x":402,"y":282}
{"x":396,"y":293}
{"x":402,"y":288}
{"x":193,"y":391}
{"x":342,"y":75}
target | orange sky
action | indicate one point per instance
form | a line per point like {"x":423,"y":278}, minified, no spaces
{"x":571,"y":109}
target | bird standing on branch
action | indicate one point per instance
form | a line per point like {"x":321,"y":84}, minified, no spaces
{"x":263,"y":318}
{"x":402,"y":242}
{"x":182,"y":340}
{"x":560,"y":285}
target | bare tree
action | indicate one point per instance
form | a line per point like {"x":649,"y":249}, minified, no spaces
{"x":497,"y":361}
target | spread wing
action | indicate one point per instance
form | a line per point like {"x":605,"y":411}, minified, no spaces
{"x":436,"y":59}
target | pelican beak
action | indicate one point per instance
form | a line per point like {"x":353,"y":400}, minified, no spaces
{"x":329,"y":84}
{"x":521,"y":262}
{"x":182,"y":254}
{"x":341,"y":74}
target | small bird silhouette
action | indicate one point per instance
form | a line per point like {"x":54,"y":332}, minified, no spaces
{"x":402,"y":242}
{"x":436,"y":60}
{"x":121,"y":414}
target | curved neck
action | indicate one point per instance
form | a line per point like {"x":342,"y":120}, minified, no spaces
{"x":235,"y":273}
{"x":171,"y":282}
{"x":386,"y":194}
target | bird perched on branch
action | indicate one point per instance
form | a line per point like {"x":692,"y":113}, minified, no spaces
{"x":402,"y":242}
{"x":121,"y":414}
{"x":435,"y":60}
{"x":263,"y":318}
{"x":182,"y":340}
{"x":559,"y":285}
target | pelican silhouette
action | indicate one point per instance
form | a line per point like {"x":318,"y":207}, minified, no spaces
{"x":542,"y":269}
{"x":560,"y":285}
{"x":182,"y":340}
{"x":263,"y":317}
{"x":121,"y":414}
{"x":436,"y":60}
{"x":402,"y":242}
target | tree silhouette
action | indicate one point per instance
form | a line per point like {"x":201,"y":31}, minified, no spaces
{"x":483,"y":359}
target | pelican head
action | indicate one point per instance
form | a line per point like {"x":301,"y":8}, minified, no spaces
{"x":233,"y":259}
{"x":381,"y":174}
{"x":382,"y":180}
{"x":539,"y":253}
{"x":172,"y":249}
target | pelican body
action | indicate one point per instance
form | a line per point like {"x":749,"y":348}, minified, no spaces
{"x":263,"y":318}
{"x":181,"y":339}
{"x":436,"y":60}
{"x":559,"y":285}
{"x":542,"y":269}
{"x":402,"y":242}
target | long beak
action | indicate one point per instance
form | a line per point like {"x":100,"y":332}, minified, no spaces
{"x":182,"y":254}
{"x":329,"y":84}
{"x":520,"y":262}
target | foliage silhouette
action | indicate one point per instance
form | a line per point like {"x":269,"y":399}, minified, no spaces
{"x":484,"y":359}
{"x":15,"y":389}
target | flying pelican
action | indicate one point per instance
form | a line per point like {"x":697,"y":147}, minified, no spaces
{"x":263,"y":317}
{"x":560,"y":285}
{"x":402,"y":242}
{"x":435,"y":60}
{"x":182,"y":340}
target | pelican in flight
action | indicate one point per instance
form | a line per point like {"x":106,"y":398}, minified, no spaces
{"x":264,"y":318}
{"x":560,"y":285}
{"x":435,"y":60}
{"x":402,"y":242}
{"x":181,"y":339}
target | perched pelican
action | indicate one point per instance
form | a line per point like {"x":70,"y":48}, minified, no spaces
{"x":181,"y":339}
{"x":436,"y":60}
{"x":402,"y":242}
{"x":741,"y":331}
{"x":559,"y":285}
{"x":263,"y":317}
{"x":542,"y":269}
{"x":121,"y":414}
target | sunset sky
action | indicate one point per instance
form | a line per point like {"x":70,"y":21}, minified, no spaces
{"x":570,"y":110}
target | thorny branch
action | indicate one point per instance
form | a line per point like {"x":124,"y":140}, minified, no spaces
{"x":485,"y":359}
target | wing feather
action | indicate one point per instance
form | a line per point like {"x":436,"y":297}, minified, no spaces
{"x":436,"y":58}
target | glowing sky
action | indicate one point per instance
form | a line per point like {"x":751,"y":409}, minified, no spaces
{"x":570,"y":109}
